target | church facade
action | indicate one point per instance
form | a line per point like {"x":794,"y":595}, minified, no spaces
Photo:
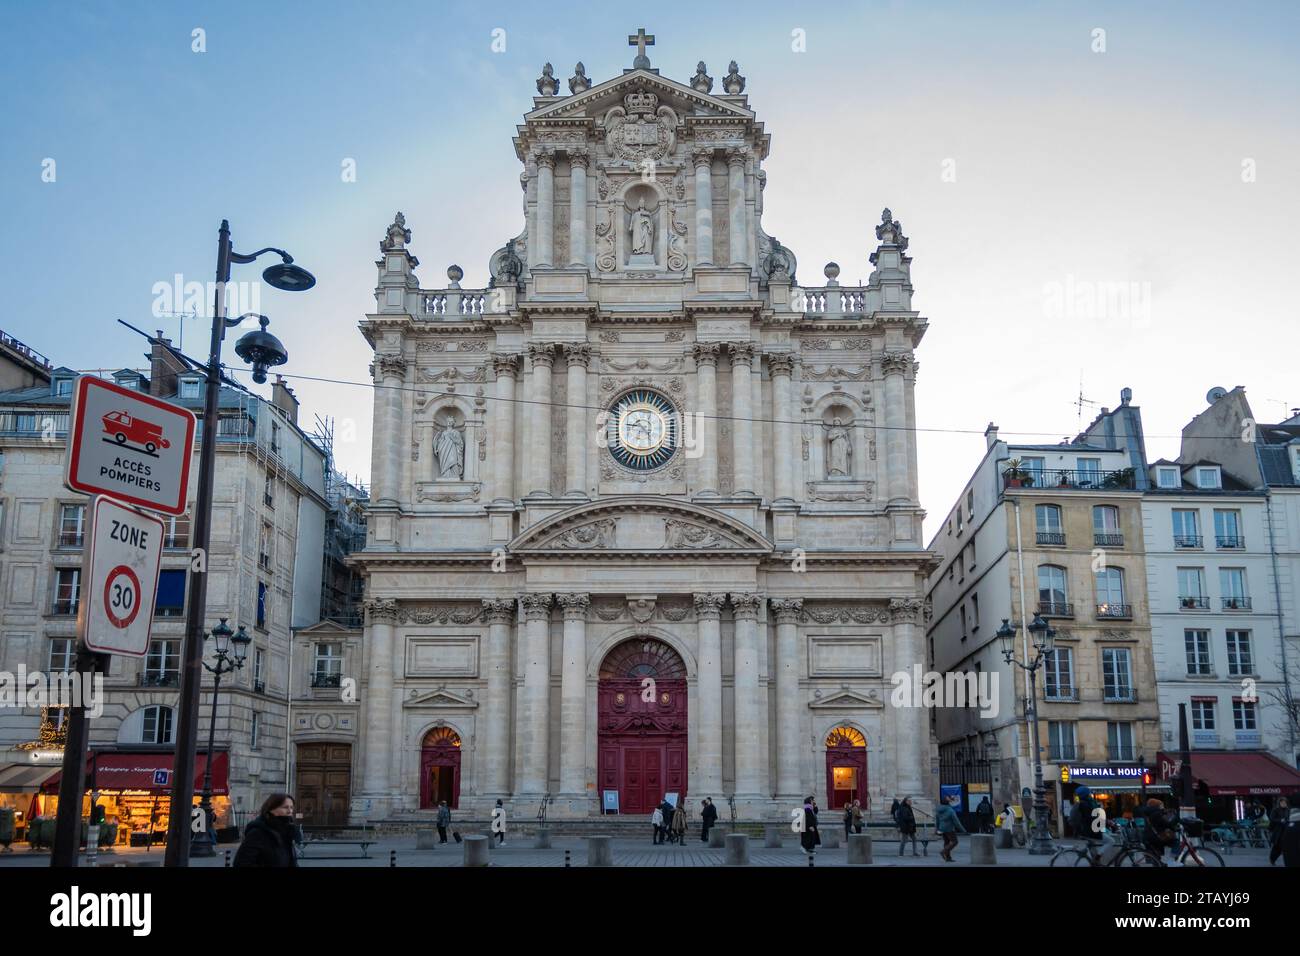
{"x":644,"y":514}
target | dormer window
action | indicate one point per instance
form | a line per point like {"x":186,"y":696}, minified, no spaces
{"x":189,"y":388}
{"x":1168,"y":477}
{"x":63,"y":387}
{"x":1208,"y":477}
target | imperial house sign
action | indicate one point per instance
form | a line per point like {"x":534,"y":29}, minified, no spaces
{"x":638,"y":450}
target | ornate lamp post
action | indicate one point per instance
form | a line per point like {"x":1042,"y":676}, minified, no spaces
{"x":232,"y":650}
{"x":1041,"y":636}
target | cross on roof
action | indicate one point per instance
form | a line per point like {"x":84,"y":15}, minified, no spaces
{"x":641,"y":40}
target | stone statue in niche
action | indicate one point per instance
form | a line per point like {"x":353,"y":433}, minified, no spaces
{"x":642,"y":227}
{"x":449,"y":450}
{"x":839,"y":451}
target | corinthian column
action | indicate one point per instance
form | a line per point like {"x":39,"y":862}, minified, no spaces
{"x":577,"y":209}
{"x":913,"y":728}
{"x":503,"y":427}
{"x":539,"y":441}
{"x":742,"y":428}
{"x":534,"y":729}
{"x":381,"y":616}
{"x":545,"y":208}
{"x":783,"y":457}
{"x":575,"y":471}
{"x":750,"y":777}
{"x":895,"y":366}
{"x":494,"y":757}
{"x":706,"y":434}
{"x":739,"y":229}
{"x":788,"y":704}
{"x":390,"y":372}
{"x":708,"y":737}
{"x":573,"y":695}
{"x":702,"y":157}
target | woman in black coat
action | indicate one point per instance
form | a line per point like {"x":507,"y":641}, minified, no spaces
{"x":268,"y":840}
{"x":810,"y":839}
{"x":708,"y":817}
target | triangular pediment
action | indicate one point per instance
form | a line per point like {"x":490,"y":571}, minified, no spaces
{"x":641,"y":524}
{"x":440,"y":698}
{"x":847,"y":700}
{"x":325,"y":627}
{"x":602,"y":96}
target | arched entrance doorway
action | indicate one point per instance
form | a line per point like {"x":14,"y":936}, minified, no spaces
{"x":440,"y":768}
{"x":846,"y":766}
{"x":642,"y":724}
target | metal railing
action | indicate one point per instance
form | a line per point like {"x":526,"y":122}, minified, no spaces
{"x":1055,"y":609}
{"x":1188,"y":541}
{"x":1236,"y":604}
{"x":1119,"y":695}
{"x":326,"y":680}
{"x":1229,"y":541}
{"x":158,"y":679}
{"x":1193,"y":603}
{"x":1108,"y":539}
{"x":1050,"y":537}
{"x":1114,"y":611}
{"x":1123,"y":479}
{"x":24,"y":350}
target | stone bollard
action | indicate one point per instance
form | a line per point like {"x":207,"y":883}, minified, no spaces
{"x":830,"y":838}
{"x":542,"y":841}
{"x":476,"y":850}
{"x":600,"y":851}
{"x":737,"y":850}
{"x":981,"y":848}
{"x":718,"y":837}
{"x":772,"y":836}
{"x":859,"y":848}
{"x":425,"y":839}
{"x":1002,"y":839}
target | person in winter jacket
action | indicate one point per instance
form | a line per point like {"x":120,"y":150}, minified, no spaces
{"x":677,"y":829}
{"x":1277,"y":819}
{"x":948,"y":824}
{"x":499,"y":823}
{"x":1287,"y":844}
{"x":268,"y":840}
{"x":811,"y":838}
{"x":984,"y":816}
{"x":657,"y":821}
{"x":893,"y":810}
{"x":666,"y":808}
{"x":1081,"y":816}
{"x":906,"y":820}
{"x":444,"y":820}
{"x":708,"y":817}
{"x":1158,"y":829}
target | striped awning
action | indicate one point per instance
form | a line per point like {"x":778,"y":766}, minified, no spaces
{"x":25,"y":777}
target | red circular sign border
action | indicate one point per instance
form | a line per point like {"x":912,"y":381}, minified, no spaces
{"x":120,"y":623}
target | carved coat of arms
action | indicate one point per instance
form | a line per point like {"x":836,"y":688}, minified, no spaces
{"x":640,"y":129}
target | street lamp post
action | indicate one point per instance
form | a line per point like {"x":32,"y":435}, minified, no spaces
{"x":1042,"y":636}
{"x":261,"y":349}
{"x":232,"y":650}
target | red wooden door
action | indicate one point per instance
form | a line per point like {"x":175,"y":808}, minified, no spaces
{"x":846,"y":775}
{"x":440,"y":769}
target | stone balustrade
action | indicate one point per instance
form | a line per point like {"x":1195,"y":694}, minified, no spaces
{"x":454,"y":301}
{"x":832,"y":300}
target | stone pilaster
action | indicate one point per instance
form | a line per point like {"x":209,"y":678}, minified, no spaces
{"x":742,"y":425}
{"x":503,"y":427}
{"x":708,"y":776}
{"x":381,"y":617}
{"x":541,"y":358}
{"x":750,"y":780}
{"x":738,"y":220}
{"x":912,"y":724}
{"x":575,"y":469}
{"x":706,"y":377}
{"x":702,"y":157}
{"x":573,"y":696}
{"x":789,"y":705}
{"x":495,"y":755}
{"x":895,"y":367}
{"x":545,"y":209}
{"x":390,"y":373}
{"x":578,"y":209}
{"x":534,"y":730}
{"x":783,"y":456}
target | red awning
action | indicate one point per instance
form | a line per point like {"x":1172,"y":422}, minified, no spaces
{"x":1244,"y":774}
{"x":151,"y":772}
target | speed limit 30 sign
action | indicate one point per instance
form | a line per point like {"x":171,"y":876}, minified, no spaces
{"x":121,"y":579}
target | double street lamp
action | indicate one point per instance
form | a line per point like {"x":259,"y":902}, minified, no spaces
{"x":262,"y":350}
{"x":232,"y":651}
{"x":1041,"y":637}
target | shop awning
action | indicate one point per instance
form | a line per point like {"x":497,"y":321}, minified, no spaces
{"x":26,"y":777}
{"x":1126,"y":787}
{"x":1244,"y":774}
{"x":151,"y":772}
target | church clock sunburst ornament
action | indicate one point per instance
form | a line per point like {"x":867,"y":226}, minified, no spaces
{"x":643,"y":430}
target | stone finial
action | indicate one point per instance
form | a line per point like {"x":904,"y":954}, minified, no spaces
{"x":547,"y":84}
{"x":579,"y":83}
{"x":890,"y":233}
{"x":779,"y":262}
{"x":832,"y":273}
{"x":701,"y":82}
{"x":398,"y":235}
{"x":733,"y":82}
{"x":455,"y":273}
{"x":641,"y":40}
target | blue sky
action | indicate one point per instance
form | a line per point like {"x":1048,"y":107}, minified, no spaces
{"x":1074,"y":169}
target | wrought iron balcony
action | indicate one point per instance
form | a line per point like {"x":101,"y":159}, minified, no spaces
{"x":1055,"y":609}
{"x":1051,"y":537}
{"x":1229,"y":541}
{"x":1113,"y":612}
{"x":72,"y":539}
{"x":1123,"y":479}
{"x":259,"y":687}
{"x":1064,"y":695}
{"x":1119,"y":695}
{"x":1194,"y":603}
{"x":158,"y":679}
{"x":326,"y":680}
{"x":1236,"y":604}
{"x":1188,"y":541}
{"x":1108,"y":539}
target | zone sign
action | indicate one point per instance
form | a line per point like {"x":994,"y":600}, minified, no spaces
{"x":129,"y":446}
{"x":122,"y":579}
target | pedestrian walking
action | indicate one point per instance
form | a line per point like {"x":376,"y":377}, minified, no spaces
{"x":657,"y":820}
{"x":677,"y":829}
{"x":811,"y":838}
{"x":1277,"y":819}
{"x":666,"y":809}
{"x":893,"y":810}
{"x":857,"y":816}
{"x":948,"y":824}
{"x":708,"y":816}
{"x":499,"y":823}
{"x":984,"y":815}
{"x":444,"y":820}
{"x":848,"y":820}
{"x":268,"y":840}
{"x":906,"y":821}
{"x":1287,"y":844}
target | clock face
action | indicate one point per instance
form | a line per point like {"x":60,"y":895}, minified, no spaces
{"x":642,"y":430}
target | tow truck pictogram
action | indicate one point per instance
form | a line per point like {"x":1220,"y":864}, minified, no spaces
{"x":123,"y":428}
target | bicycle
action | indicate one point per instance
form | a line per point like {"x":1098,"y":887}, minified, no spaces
{"x":1188,"y":853}
{"x":1091,"y":854}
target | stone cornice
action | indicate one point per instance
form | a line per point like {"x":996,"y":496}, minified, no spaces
{"x":751,"y":308}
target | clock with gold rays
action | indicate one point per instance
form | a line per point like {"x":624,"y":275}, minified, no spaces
{"x":643,"y":430}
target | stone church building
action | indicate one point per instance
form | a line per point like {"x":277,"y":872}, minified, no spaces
{"x":644,"y":511}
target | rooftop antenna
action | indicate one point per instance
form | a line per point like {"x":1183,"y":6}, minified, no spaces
{"x":1081,"y":401}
